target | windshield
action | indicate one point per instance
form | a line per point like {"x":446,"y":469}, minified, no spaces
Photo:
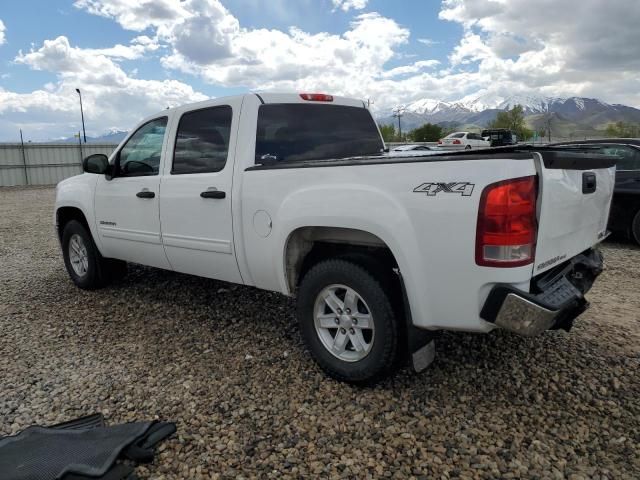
{"x":294,"y":132}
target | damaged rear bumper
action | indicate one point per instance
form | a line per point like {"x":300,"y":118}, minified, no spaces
{"x":556,"y":297}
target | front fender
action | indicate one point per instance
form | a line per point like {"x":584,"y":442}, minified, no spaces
{"x":78,"y":192}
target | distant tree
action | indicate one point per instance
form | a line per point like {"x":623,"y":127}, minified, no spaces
{"x":388,"y":132}
{"x":622,"y":130}
{"x":426,"y":133}
{"x":513,"y":120}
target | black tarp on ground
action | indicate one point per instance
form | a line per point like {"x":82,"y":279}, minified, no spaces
{"x":82,"y":448}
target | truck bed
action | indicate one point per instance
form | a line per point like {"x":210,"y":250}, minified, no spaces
{"x":554,"y":157}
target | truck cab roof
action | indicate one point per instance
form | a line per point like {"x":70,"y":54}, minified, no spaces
{"x":271,"y":97}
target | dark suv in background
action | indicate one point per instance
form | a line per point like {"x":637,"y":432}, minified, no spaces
{"x":499,"y":137}
{"x":625,"y":208}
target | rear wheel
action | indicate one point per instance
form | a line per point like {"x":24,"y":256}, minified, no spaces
{"x":635,"y":227}
{"x":347,"y":321}
{"x":468,"y":147}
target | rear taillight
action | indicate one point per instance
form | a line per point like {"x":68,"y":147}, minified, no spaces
{"x":457,"y":142}
{"x":317,"y":97}
{"x":507,"y":226}
{"x":440,"y":142}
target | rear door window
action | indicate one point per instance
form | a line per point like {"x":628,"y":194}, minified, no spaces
{"x":202,"y":141}
{"x":294,"y":132}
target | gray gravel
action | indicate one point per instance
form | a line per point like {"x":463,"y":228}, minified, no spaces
{"x":227,"y":364}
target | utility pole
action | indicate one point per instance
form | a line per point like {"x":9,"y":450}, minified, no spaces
{"x":399,"y":112}
{"x":82,"y":115}
{"x":80,"y":149}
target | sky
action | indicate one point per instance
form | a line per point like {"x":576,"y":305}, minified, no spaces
{"x":133,"y":58}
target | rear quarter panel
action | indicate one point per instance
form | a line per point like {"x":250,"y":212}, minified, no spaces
{"x":431,"y":236}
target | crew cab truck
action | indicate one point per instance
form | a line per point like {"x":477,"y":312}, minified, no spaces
{"x":293,"y":193}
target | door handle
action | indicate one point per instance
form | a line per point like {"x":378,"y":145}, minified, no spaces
{"x":145,"y":194}
{"x":213,"y":194}
{"x":588,"y":182}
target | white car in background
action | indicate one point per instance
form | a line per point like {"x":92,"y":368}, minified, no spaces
{"x":463,"y":141}
{"x":411,"y":150}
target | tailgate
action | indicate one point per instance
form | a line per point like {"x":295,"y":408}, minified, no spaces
{"x":575,"y":196}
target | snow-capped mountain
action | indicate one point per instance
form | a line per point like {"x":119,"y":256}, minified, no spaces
{"x":487,"y":101}
{"x":481,"y":108}
{"x":112,"y":136}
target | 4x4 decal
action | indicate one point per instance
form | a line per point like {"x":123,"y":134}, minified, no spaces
{"x":431,"y":189}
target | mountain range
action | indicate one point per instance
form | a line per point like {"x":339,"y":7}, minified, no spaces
{"x":113,"y":136}
{"x":570,"y":116}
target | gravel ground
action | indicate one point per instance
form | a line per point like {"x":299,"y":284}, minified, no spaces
{"x":226,"y":363}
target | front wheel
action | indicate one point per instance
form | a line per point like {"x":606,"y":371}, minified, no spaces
{"x":635,"y":227}
{"x":86,"y":267}
{"x":347,"y":321}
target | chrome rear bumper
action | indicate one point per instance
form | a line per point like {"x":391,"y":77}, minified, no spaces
{"x":557,"y":298}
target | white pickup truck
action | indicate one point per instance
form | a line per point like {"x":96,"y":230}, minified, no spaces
{"x":293,"y":193}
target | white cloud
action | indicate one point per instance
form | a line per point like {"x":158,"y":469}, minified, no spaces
{"x":110,"y":96}
{"x":138,"y":15}
{"x":562,"y":48}
{"x":2,"y":35}
{"x":346,"y":5}
{"x":138,"y":48}
{"x":407,"y":69}
{"x":271,"y":59}
{"x":428,"y":42}
{"x":505,"y":43}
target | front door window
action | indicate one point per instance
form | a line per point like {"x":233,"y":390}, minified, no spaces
{"x":141,"y":154}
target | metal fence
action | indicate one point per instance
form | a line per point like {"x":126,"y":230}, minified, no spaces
{"x":48,"y":163}
{"x":42,"y":163}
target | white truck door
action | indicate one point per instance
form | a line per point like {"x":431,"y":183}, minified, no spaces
{"x":127,"y":206}
{"x":195,"y":199}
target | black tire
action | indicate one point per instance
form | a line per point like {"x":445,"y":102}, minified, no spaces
{"x":381,"y":358}
{"x":468,"y":147}
{"x":98,"y":272}
{"x":635,"y":227}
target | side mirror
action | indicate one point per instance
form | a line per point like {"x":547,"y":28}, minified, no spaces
{"x":96,"y":163}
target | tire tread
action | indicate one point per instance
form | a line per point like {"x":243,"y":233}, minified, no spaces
{"x":364,"y":274}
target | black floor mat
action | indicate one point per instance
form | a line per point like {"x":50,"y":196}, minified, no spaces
{"x":82,"y":447}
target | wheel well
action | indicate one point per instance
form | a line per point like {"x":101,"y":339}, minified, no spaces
{"x":307,"y":246}
{"x":65,"y":214}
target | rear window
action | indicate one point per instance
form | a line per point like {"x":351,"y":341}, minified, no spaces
{"x":627,"y":158}
{"x":456,"y":135}
{"x":293,"y":132}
